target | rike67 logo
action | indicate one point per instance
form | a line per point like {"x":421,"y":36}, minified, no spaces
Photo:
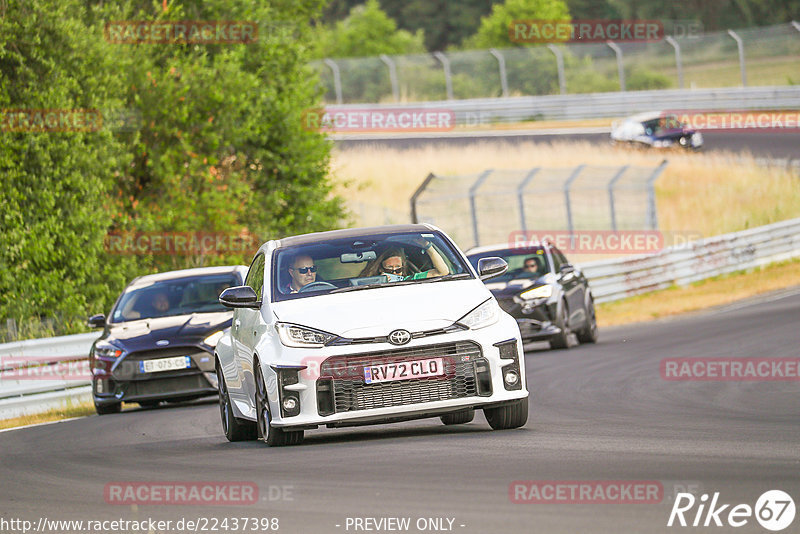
{"x":774,"y":510}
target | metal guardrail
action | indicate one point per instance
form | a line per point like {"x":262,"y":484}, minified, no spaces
{"x":480,"y":111}
{"x":616,"y":279}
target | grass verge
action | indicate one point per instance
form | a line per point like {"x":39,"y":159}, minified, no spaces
{"x":717,"y":291}
{"x":69,"y":410}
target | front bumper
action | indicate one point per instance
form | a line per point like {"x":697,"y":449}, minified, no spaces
{"x":535,"y":320}
{"x":124,"y":381}
{"x":332,"y":391}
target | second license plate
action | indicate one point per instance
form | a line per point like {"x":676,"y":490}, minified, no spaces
{"x":165,"y":364}
{"x":403,"y":370}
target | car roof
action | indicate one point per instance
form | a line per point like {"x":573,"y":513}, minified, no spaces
{"x":321,"y":237}
{"x":505,"y":246}
{"x":186,"y":273}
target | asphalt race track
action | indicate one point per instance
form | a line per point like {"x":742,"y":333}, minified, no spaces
{"x":762,"y":144}
{"x":597,"y":413}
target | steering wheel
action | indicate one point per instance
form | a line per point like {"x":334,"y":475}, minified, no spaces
{"x":316,"y":285}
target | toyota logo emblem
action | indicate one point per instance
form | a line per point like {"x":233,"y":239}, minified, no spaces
{"x":399,"y":337}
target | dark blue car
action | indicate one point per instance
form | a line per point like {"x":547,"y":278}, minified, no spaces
{"x":158,"y":342}
{"x":656,"y":130}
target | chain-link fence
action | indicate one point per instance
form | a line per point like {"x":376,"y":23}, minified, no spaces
{"x":756,"y":56}
{"x":488,"y":207}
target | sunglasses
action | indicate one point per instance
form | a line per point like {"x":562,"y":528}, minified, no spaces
{"x":530,"y":266}
{"x":305,"y":270}
{"x":397,"y":270}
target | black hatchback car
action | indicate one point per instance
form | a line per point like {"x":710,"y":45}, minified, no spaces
{"x":549,"y":297}
{"x":158,"y":342}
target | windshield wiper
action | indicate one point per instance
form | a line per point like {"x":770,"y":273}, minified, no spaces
{"x":356,"y":288}
{"x":453,"y":276}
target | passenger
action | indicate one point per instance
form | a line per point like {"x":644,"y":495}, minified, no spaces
{"x":160,"y":303}
{"x":302,"y":271}
{"x":394,"y":264}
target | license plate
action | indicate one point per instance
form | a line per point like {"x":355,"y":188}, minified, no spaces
{"x":165,"y":364}
{"x":403,"y":370}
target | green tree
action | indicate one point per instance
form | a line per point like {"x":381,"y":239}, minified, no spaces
{"x":493,"y":31}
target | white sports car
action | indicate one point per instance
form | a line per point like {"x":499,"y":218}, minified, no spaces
{"x":366,"y":326}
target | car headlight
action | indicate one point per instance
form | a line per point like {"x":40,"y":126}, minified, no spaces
{"x":107,"y":351}
{"x":541,"y":292}
{"x":213,"y":339}
{"x":484,"y":315}
{"x":697,"y":139}
{"x":293,"y":335}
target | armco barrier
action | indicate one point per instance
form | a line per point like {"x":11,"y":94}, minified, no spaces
{"x":609,"y":279}
{"x":615,"y":279}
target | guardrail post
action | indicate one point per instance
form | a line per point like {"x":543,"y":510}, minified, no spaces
{"x":651,"y":195}
{"x":337,"y":79}
{"x":740,"y":46}
{"x":567,"y":185}
{"x":521,"y":194}
{"x":611,"y":206}
{"x":620,"y":68}
{"x":484,"y":175}
{"x":448,"y":78}
{"x":562,"y":84}
{"x":678,"y":62}
{"x":501,"y":64}
{"x":389,"y":62}
{"x":415,"y":196}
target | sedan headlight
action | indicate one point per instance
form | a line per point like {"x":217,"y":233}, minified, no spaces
{"x":213,"y":339}
{"x":293,"y":335}
{"x":484,"y":315}
{"x":107,"y":351}
{"x":541,"y":292}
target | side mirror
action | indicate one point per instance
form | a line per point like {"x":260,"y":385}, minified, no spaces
{"x":491,"y":267}
{"x":239,"y":297}
{"x":566,"y":268}
{"x":97,"y":321}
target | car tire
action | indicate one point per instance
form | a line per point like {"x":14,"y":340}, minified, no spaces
{"x":108,"y":409}
{"x":235,"y":429}
{"x":272,"y":436}
{"x":588,"y":334}
{"x":561,"y":341}
{"x":509,"y":416}
{"x":458,"y":418}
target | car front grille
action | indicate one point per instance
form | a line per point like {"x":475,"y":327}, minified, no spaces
{"x":341,"y":386}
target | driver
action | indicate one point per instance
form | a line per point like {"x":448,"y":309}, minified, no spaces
{"x":302,"y":271}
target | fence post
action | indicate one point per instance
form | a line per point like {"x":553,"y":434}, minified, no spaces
{"x":415,"y":196}
{"x":611,"y":206}
{"x":567,"y":185}
{"x":740,"y":46}
{"x":678,"y":62}
{"x":651,"y":195}
{"x":521,"y":195}
{"x":392,"y":76}
{"x":337,"y":79}
{"x":620,"y":68}
{"x":448,"y":78}
{"x":484,"y":175}
{"x":11,"y":326}
{"x":501,"y":64}
{"x":562,"y":84}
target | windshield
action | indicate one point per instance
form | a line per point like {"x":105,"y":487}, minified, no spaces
{"x":198,"y":294}
{"x":364,"y":263}
{"x":522,"y":263}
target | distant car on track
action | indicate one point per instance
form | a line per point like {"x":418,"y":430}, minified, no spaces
{"x":549,"y":301}
{"x":396,"y":326}
{"x":656,"y":130}
{"x":158,"y":342}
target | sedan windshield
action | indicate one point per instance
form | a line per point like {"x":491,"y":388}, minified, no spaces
{"x":363,"y":263}
{"x":522,"y":263}
{"x":198,"y":294}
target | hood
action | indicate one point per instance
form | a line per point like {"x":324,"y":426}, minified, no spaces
{"x":515,"y":286}
{"x":178,"y":330}
{"x":379,"y":311}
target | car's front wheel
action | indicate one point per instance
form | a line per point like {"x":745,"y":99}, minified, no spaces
{"x":272,"y":436}
{"x":512,"y":415}
{"x":107,"y":409}
{"x":561,"y":340}
{"x":588,"y":334}
{"x":458,"y":418}
{"x":235,"y":429}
